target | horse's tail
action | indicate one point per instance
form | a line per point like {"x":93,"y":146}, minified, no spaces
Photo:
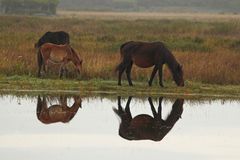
{"x":123,"y":45}
{"x":39,"y":57}
{"x":121,"y":53}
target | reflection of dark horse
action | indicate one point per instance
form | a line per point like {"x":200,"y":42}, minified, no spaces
{"x":146,"y":55}
{"x":59,"y":37}
{"x":61,"y":54}
{"x":144,"y":126}
{"x":58,"y":112}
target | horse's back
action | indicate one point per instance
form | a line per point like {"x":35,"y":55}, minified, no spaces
{"x":58,"y":37}
{"x":143,"y":54}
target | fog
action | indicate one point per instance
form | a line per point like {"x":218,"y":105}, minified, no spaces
{"x":219,"y":6}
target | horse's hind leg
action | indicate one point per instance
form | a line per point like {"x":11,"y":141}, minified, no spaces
{"x":39,"y":70}
{"x":61,"y":72}
{"x":160,"y":75}
{"x":40,"y":62}
{"x":128,"y":72}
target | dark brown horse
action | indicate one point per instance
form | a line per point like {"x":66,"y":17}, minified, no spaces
{"x":143,"y":126}
{"x":146,"y":55}
{"x":58,"y":112}
{"x":59,"y":54}
{"x":58,"y":37}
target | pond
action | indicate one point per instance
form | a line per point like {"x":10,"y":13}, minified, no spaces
{"x":72,"y":127}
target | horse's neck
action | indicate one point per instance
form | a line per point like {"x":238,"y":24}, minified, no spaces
{"x":170,"y":61}
{"x":75,"y":107}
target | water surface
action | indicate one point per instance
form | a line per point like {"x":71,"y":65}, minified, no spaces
{"x":188,"y":129}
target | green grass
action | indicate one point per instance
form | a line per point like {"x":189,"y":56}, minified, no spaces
{"x":97,"y":86}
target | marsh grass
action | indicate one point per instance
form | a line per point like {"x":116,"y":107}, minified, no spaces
{"x":209,"y":51}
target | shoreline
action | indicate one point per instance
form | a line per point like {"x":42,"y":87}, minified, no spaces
{"x":32,"y":85}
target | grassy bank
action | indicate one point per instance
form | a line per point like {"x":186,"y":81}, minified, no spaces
{"x":94,"y":86}
{"x":208,"y":50}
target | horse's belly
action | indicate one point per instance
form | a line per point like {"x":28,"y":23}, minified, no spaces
{"x":143,"y":62}
{"x":57,"y":113}
{"x":57,"y":57}
{"x":141,"y":121}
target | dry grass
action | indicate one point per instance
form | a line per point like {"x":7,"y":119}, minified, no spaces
{"x":209,"y":51}
{"x":147,"y":15}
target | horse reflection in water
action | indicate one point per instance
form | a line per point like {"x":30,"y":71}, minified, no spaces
{"x":57,"y":112}
{"x":146,"y":127}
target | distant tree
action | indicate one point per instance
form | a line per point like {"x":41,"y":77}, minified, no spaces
{"x":29,"y":6}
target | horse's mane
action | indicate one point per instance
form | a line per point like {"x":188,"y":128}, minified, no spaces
{"x":169,"y":58}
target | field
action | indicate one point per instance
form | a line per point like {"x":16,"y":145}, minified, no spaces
{"x":208,"y":48}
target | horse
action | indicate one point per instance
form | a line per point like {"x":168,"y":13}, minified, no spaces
{"x":58,"y":112}
{"x":144,"y":126}
{"x":59,"y":54}
{"x":59,"y":37}
{"x":144,"y":55}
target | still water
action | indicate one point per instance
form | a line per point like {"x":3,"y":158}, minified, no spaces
{"x":65,"y":127}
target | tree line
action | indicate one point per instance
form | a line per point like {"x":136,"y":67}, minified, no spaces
{"x":29,"y":6}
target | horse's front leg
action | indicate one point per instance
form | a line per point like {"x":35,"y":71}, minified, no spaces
{"x":128,"y":116}
{"x":160,"y":68}
{"x":152,"y":107}
{"x":61,"y":70}
{"x":160,"y":108}
{"x":121,"y":67}
{"x":152,"y":75}
{"x":66,"y":71}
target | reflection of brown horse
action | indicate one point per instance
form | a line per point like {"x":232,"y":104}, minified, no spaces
{"x":144,"y":126}
{"x":60,"y":54}
{"x":58,"y":112}
{"x":146,"y":55}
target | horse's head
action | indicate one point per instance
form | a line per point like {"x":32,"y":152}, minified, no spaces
{"x":178,"y":75}
{"x":77,"y":61}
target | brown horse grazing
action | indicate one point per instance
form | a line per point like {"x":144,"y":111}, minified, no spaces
{"x":146,"y":55}
{"x":58,"y":112}
{"x":60,"y":54}
{"x":146,"y":127}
